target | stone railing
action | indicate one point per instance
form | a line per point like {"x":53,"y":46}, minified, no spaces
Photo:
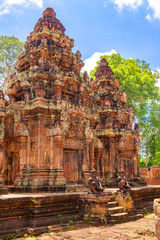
{"x":157,"y":216}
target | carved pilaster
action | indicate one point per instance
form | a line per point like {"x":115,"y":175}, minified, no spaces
{"x":2,"y":168}
{"x":22,"y":161}
{"x":58,"y":140}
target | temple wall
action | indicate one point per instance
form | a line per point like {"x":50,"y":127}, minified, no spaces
{"x":21,"y":214}
{"x":151,"y":175}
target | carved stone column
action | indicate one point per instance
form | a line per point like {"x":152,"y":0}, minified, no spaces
{"x":2,"y":143}
{"x":22,"y":160}
{"x":86,"y":163}
{"x":58,"y":141}
{"x":2,"y":167}
{"x":86,"y":168}
{"x":98,"y":145}
{"x":112,"y":155}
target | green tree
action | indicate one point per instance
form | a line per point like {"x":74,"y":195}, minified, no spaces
{"x":10,"y":48}
{"x":139,"y":82}
{"x":150,"y":132}
{"x":135,"y":77}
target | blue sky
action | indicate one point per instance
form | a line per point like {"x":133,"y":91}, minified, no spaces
{"x":129,"y":27}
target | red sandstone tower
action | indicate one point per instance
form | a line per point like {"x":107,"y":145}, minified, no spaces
{"x":120,"y":144}
{"x":58,"y":125}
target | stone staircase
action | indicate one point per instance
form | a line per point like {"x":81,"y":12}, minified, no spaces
{"x":116,"y":214}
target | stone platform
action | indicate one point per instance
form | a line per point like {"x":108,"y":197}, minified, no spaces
{"x":20,"y":213}
{"x":143,"y":197}
{"x":40,"y":212}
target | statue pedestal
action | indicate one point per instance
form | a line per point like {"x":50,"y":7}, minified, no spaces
{"x":96,"y":208}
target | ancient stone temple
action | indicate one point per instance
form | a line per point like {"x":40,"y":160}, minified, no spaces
{"x":57,"y":125}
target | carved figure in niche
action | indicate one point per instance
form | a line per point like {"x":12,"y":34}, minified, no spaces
{"x":122,"y":182}
{"x":76,"y":127}
{"x":88,"y":131}
{"x":20,"y":128}
{"x":71,"y":86}
{"x":94,"y":182}
{"x":46,"y":157}
{"x":64,"y":122}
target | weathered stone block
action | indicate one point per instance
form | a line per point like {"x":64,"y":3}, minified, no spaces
{"x":96,"y":208}
{"x":157,"y":216}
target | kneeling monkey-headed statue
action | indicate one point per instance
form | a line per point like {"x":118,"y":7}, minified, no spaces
{"x":95,"y":183}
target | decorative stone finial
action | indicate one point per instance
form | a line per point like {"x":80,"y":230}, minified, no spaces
{"x":49,"y":12}
{"x":103,"y":62}
{"x":103,"y":70}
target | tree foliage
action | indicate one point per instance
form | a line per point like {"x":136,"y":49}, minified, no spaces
{"x":138,"y":81}
{"x":150,"y":132}
{"x":10,"y":48}
{"x":135,"y":77}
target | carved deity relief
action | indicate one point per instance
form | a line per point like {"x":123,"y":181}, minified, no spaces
{"x":122,"y":143}
{"x":71,"y":85}
{"x":88,"y":131}
{"x":64,"y":121}
{"x":46,"y":158}
{"x":57,"y":129}
{"x":33,"y":158}
{"x":76,"y":127}
{"x":20,"y":128}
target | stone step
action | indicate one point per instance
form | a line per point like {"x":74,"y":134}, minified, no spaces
{"x":118,"y":218}
{"x":115,"y":210}
{"x":113,"y":204}
{"x":135,"y":217}
{"x":112,"y":199}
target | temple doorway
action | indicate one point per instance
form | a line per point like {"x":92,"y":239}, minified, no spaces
{"x":70,"y":164}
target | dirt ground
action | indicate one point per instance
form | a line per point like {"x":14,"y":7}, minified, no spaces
{"x":142,"y":229}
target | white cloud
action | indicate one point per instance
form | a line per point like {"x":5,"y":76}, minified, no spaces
{"x":155,"y":6}
{"x":91,"y":62}
{"x":148,"y":17}
{"x":127,"y":3}
{"x":4,"y":11}
{"x":6,"y":5}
